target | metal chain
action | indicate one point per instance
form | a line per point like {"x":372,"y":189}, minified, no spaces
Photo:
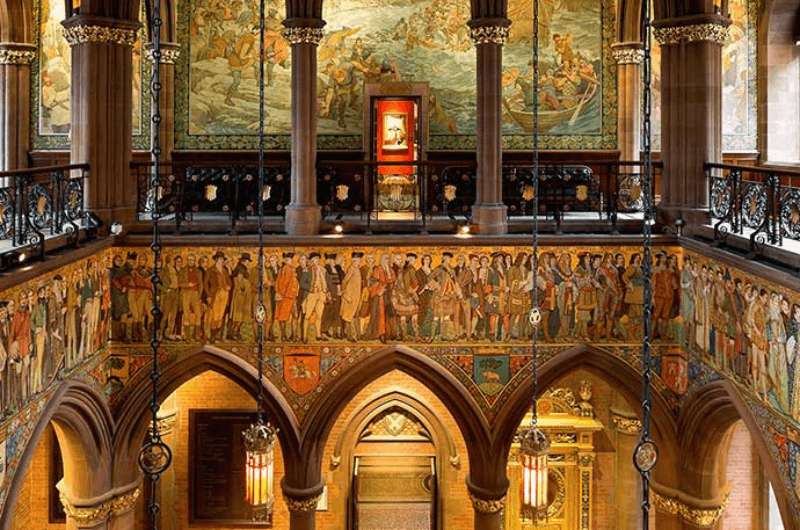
{"x":647,"y":259}
{"x":261,"y":124}
{"x":536,"y":315}
{"x":155,"y":446}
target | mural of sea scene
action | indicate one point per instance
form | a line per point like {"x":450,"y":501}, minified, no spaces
{"x":55,"y":70}
{"x":571,"y":66}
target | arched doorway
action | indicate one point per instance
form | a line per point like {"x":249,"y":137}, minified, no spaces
{"x":395,"y":459}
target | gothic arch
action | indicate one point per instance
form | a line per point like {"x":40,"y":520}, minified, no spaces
{"x":84,"y":426}
{"x":16,"y":21}
{"x":609,"y":367}
{"x":134,"y":412}
{"x":707,"y":417}
{"x":473,"y":425}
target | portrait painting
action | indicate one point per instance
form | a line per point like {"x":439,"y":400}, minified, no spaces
{"x":395,"y":133}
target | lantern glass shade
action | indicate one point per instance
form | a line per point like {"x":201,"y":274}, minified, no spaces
{"x":259,"y":444}
{"x":534,"y":449}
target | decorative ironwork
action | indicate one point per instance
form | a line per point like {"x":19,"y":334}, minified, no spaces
{"x":790,"y":213}
{"x":721,"y":195}
{"x":754,"y":204}
{"x":646,"y":453}
{"x":155,"y":456}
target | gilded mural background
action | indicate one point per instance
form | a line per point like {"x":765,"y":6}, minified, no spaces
{"x":51,"y":82}
{"x":369,"y":41}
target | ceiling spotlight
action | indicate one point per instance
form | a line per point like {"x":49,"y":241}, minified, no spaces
{"x":116,"y":229}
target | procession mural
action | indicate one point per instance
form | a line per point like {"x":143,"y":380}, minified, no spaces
{"x":739,"y":87}
{"x":51,"y":86}
{"x":574,"y":89}
{"x":367,"y":41}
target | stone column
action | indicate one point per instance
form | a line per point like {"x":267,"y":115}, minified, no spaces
{"x":489,"y":213}
{"x":629,"y":57}
{"x":114,"y":511}
{"x":302,"y":505}
{"x":691,"y":110}
{"x":170,"y":53}
{"x":303,"y":214}
{"x":101,"y":126}
{"x":15,"y":104}
{"x":488,"y":506}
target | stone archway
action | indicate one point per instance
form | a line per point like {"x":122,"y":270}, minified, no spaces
{"x":84,"y":428}
{"x":134,"y":412}
{"x":708,"y":416}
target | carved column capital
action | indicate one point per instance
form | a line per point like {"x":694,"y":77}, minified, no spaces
{"x":17,"y":53}
{"x":89,"y":29}
{"x":170,"y":52}
{"x":489,"y":30}
{"x":716,"y":32}
{"x":625,"y":423}
{"x":627,"y":52}
{"x":303,"y":35}
{"x":703,"y":513}
{"x":89,"y":513}
{"x":308,"y":504}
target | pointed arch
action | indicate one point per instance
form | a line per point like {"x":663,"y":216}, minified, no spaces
{"x":134,"y":411}
{"x":16,"y":21}
{"x":626,"y":379}
{"x":462,"y":406}
{"x":704,"y":420}
{"x":84,"y":427}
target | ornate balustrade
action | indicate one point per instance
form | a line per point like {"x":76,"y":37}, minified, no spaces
{"x":40,"y":203}
{"x":368,"y":195}
{"x":762,"y":204}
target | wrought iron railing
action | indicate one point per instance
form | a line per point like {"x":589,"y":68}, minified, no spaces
{"x":42,"y":202}
{"x":192,"y":193}
{"x":762,"y":204}
{"x":420,"y":195}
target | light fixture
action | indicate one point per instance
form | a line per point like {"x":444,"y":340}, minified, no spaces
{"x":259,"y":437}
{"x":116,"y":228}
{"x":259,"y":440}
{"x":464,"y":229}
{"x":338,"y":228}
{"x":534,"y":443}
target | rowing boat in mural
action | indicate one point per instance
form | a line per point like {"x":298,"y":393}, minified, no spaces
{"x":549,"y":119}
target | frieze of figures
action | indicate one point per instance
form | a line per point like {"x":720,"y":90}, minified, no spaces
{"x":413,"y":295}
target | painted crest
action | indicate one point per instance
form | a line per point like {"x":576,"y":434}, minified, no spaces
{"x":301,"y":371}
{"x":491,"y":373}
{"x":675,"y":372}
{"x":342,"y":192}
{"x":582,"y":192}
{"x":210,"y":193}
{"x":450,"y":192}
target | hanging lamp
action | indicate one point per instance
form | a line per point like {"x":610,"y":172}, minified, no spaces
{"x":534,"y":443}
{"x":645,"y":455}
{"x":259,"y":437}
{"x":155,"y":456}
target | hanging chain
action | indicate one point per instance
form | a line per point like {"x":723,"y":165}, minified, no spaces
{"x":536,"y":314}
{"x":155,"y":456}
{"x":260,"y":310}
{"x":646,"y":452}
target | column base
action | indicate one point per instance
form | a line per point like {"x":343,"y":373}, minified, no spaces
{"x":303,"y":219}
{"x":691,"y":217}
{"x":490,"y":218}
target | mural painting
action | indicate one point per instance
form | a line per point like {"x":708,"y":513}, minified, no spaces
{"x":55,"y":59}
{"x":222,"y":74}
{"x":571,"y":66}
{"x":52,"y":82}
{"x":366,"y":41}
{"x":417,"y":295}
